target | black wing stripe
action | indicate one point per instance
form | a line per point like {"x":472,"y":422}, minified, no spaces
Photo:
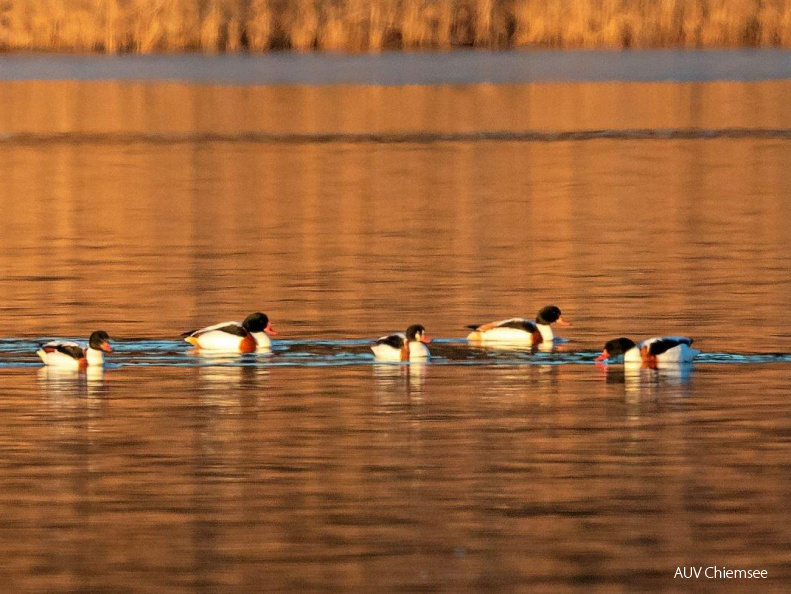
{"x":71,"y":350}
{"x":394,"y":340}
{"x":234,"y":329}
{"x":525,"y":325}
{"x":665,"y":344}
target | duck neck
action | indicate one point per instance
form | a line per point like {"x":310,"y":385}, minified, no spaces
{"x":94,"y":356}
{"x":546,"y":332}
{"x":262,"y":340}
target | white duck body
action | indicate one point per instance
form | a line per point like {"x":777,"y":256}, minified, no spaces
{"x":247,"y":337}
{"x":54,"y":354}
{"x":387,"y":349}
{"x":66,"y":355}
{"x":520,"y":331}
{"x":225,"y":336}
{"x":671,"y":350}
{"x":682,"y":352}
{"x":513,"y":331}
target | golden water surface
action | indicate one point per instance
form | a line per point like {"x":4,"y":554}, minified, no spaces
{"x":149,"y":209}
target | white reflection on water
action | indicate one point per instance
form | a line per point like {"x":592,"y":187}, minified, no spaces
{"x":667,"y":379}
{"x":504,"y":347}
{"x":73,"y":382}
{"x":535,"y":383}
{"x":225,"y":371}
{"x":395,"y":381}
{"x":227,"y":380}
{"x":223,"y":357}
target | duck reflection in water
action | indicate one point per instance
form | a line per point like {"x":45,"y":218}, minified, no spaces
{"x":212,"y":357}
{"x":223,"y":371}
{"x":520,"y":382}
{"x":73,"y":382}
{"x":641,"y":379}
{"x":394,"y":381}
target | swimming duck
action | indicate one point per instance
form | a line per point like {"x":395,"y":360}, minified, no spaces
{"x":650,"y":352}
{"x":403,"y":347}
{"x":71,"y":355}
{"x":520,"y":331}
{"x":247,"y":337}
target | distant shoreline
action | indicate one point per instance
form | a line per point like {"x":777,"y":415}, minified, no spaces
{"x":362,"y":26}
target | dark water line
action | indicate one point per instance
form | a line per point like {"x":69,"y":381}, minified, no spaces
{"x":85,"y":138}
{"x":321,"y":353}
{"x":411,"y":68}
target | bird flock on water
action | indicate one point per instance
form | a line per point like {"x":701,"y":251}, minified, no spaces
{"x":255,"y":334}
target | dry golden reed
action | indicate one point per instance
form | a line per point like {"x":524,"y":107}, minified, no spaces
{"x":146,"y":26}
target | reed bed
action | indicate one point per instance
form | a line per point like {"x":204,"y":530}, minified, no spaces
{"x":148,"y":26}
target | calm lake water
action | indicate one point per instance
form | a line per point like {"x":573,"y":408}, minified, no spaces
{"x":348,"y":211}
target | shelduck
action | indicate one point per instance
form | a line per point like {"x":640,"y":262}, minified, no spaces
{"x":251,"y":335}
{"x":71,"y":355}
{"x":520,"y":331}
{"x":650,"y":352}
{"x":410,"y":346}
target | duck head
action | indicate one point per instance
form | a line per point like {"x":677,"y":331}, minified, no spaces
{"x":615,"y":348}
{"x":258,"y":322}
{"x":417,"y":333}
{"x":551,"y":315}
{"x":100,"y":341}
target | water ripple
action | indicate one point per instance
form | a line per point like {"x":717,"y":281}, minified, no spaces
{"x":318,"y":353}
